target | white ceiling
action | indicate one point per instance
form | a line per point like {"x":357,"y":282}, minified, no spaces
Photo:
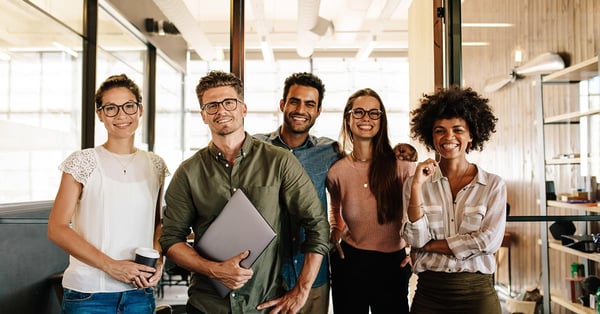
{"x":354,"y":23}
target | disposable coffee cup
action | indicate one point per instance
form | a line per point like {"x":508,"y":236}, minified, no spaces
{"x":146,"y":256}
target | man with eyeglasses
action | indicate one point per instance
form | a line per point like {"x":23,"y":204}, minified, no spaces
{"x":273,"y":180}
{"x":301,"y":106}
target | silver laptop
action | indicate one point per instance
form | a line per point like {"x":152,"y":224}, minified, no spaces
{"x":239,"y":227}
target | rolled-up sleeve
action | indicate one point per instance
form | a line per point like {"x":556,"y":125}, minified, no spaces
{"x":178,"y":216}
{"x":302,"y":201}
{"x":416,"y":233}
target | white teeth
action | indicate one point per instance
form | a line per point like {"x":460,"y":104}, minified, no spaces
{"x":449,"y":146}
{"x":223,"y":120}
{"x":365,"y":127}
{"x":299,"y":119}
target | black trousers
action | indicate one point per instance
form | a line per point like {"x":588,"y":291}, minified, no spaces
{"x":369,"y":279}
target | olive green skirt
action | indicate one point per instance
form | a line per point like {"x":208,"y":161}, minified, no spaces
{"x":471,"y":293}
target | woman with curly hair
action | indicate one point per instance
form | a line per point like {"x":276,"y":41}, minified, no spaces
{"x":456,"y":210}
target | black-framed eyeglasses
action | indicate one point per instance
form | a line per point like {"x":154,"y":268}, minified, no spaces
{"x":359,"y":113}
{"x":130,"y":107}
{"x":229,"y":104}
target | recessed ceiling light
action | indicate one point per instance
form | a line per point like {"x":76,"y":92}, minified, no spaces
{"x":475,"y":43}
{"x":493,"y":25}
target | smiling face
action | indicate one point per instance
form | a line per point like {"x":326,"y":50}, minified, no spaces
{"x":223,"y":122}
{"x":122,"y":125}
{"x":300,"y":109}
{"x":364,"y":127}
{"x":451,"y":137}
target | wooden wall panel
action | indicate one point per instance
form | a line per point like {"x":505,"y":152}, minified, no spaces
{"x":567,"y":26}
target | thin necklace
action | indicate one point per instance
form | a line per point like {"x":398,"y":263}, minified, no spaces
{"x":354,"y":159}
{"x":357,"y":159}
{"x":123,"y":165}
{"x":462,"y":177}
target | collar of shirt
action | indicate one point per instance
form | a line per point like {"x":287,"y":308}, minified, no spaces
{"x":311,"y":141}
{"x":245,"y":150}
{"x":480,"y":176}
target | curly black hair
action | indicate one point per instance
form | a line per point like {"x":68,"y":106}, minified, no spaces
{"x":453,"y":102}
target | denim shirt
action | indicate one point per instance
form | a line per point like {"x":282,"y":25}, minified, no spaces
{"x":316,"y":156}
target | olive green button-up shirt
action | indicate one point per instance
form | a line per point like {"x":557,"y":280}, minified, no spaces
{"x":277,"y":185}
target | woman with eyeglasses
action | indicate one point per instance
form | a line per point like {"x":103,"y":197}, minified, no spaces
{"x":108,"y":204}
{"x":370,"y":269}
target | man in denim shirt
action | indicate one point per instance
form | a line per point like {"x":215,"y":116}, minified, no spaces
{"x":301,"y":105}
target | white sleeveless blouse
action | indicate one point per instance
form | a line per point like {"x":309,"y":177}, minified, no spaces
{"x":116,"y":211}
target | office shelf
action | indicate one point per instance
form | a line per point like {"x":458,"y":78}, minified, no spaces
{"x":573,"y":109}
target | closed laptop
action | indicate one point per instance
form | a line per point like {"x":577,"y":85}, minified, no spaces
{"x":239,"y":227}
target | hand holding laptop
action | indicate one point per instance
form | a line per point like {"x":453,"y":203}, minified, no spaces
{"x":231,"y":274}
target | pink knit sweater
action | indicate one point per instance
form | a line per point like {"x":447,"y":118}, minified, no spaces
{"x":353,"y":206}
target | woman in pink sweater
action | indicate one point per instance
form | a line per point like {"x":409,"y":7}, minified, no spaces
{"x":370,"y":270}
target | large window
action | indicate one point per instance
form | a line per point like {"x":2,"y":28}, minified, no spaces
{"x":263,"y":88}
{"x":40,"y":96}
{"x":169,"y":114}
{"x":119,"y":52}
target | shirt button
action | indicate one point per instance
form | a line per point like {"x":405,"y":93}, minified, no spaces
{"x":226,"y":165}
{"x":233,"y":294}
{"x":295,"y":261}
{"x":234,"y":189}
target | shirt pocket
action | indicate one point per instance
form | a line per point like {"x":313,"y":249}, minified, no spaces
{"x":436,"y":221}
{"x":472,"y":218}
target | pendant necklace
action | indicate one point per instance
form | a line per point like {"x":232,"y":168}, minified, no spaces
{"x":123,"y":165}
{"x":354,"y":159}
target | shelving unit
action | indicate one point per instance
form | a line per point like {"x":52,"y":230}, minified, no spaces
{"x":573,"y":108}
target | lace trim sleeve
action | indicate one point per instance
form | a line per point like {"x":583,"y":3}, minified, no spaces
{"x":80,"y":165}
{"x":160,"y":165}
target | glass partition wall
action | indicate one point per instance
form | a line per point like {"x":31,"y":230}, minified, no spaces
{"x":41,"y":92}
{"x":40,"y":96}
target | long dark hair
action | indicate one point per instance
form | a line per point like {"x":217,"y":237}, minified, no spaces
{"x":383,"y":175}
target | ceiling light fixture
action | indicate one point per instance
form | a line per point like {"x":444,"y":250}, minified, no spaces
{"x":364,"y":52}
{"x":308,"y":16}
{"x":177,"y":12}
{"x":475,"y":43}
{"x":518,"y":55}
{"x":492,"y":25}
{"x":266,"y":50}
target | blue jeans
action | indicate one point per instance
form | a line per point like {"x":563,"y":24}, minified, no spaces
{"x":138,"y":301}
